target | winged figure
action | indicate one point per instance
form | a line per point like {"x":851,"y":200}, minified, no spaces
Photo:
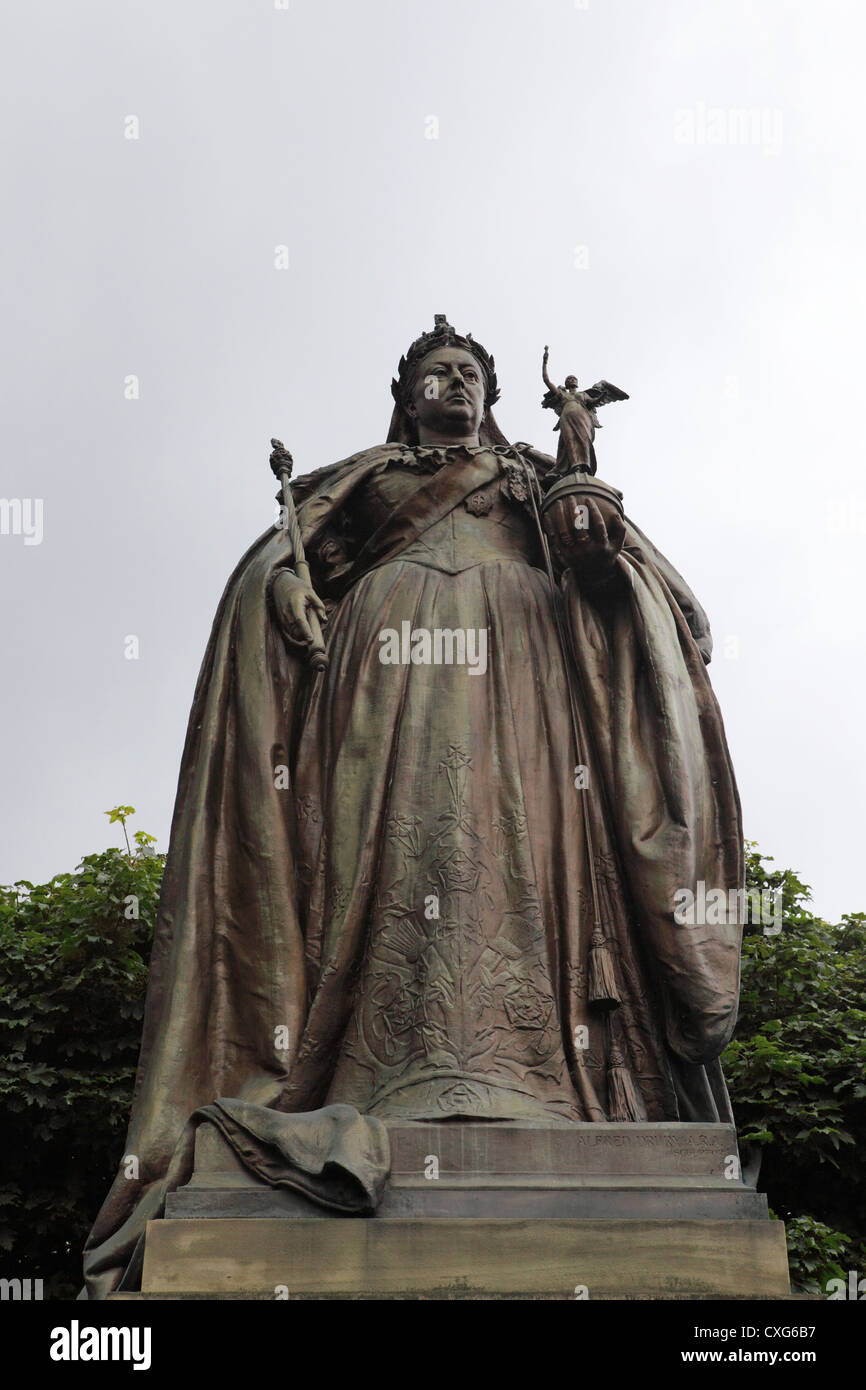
{"x":578,"y":420}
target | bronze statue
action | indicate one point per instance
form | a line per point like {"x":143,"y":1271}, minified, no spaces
{"x":440,"y":869}
{"x":578,"y":420}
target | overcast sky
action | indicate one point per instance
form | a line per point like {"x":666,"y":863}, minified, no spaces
{"x":670,"y":194}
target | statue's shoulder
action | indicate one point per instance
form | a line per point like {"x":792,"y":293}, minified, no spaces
{"x":541,"y":462}
{"x":308,"y":484}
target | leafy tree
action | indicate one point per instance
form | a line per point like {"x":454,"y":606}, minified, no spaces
{"x":814,"y":1252}
{"x":796,"y":1070}
{"x":73,"y":972}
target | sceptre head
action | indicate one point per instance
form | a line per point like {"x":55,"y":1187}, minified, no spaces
{"x":281,"y":460}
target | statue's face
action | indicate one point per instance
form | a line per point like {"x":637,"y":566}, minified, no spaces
{"x":449,"y":390}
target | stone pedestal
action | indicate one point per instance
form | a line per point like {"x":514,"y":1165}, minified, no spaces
{"x":485,"y":1210}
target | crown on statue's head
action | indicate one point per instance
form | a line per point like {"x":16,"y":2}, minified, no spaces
{"x":442,"y":335}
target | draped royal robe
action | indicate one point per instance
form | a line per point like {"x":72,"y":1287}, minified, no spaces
{"x":230,"y":964}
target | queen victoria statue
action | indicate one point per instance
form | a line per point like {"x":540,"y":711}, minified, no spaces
{"x":452,"y":755}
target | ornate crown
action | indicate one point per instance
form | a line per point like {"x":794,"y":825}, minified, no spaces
{"x":442,"y":335}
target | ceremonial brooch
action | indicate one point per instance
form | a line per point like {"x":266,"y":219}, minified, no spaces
{"x":479,"y":503}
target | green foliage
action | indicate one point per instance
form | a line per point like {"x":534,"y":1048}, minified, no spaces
{"x":796,"y":1071}
{"x":73,"y":973}
{"x":814,"y":1252}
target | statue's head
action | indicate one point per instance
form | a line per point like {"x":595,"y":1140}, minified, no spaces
{"x":448,"y":391}
{"x":571,"y":383}
{"x":448,"y":383}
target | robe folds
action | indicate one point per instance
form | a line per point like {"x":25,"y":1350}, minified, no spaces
{"x":296,"y":961}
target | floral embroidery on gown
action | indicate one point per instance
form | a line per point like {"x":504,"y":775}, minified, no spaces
{"x":449,"y":892}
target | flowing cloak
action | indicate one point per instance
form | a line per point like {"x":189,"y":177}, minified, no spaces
{"x":228,"y":960}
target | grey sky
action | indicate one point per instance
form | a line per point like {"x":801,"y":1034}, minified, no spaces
{"x":669,"y":194}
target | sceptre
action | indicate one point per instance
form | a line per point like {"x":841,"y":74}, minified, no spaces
{"x":555,"y":517}
{"x":282,"y":464}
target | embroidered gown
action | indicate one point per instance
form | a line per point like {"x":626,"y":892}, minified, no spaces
{"x":442,"y":857}
{"x":442,"y":870}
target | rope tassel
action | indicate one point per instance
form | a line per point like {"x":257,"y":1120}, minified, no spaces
{"x":623,"y":1105}
{"x":603,"y":991}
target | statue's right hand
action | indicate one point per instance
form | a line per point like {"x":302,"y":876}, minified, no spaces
{"x":294,"y":600}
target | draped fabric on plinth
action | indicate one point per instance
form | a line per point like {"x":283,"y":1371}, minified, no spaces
{"x":231,"y":990}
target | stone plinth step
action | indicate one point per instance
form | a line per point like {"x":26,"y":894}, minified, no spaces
{"x":503,"y":1148}
{"x":579,"y":1199}
{"x":504,"y":1169}
{"x":477,"y":1257}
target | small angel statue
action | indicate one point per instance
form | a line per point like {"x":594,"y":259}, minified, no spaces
{"x":578,"y":421}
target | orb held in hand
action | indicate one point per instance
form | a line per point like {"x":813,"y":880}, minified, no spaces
{"x":565,"y":511}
